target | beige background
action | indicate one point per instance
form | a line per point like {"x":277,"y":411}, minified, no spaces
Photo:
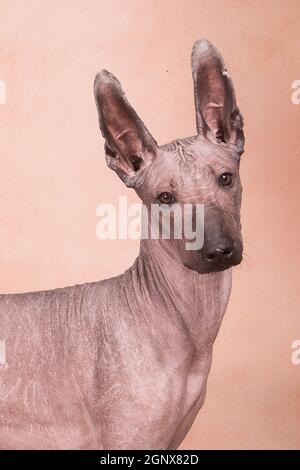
{"x":53,"y":174}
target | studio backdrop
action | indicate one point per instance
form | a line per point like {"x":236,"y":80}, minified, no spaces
{"x":54,"y":176}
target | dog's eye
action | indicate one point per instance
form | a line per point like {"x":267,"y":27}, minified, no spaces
{"x":166,"y":198}
{"x":226,"y":179}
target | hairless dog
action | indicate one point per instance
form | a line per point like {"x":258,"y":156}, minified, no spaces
{"x":123,"y":363}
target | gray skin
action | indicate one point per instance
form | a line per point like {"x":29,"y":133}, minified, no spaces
{"x":123,"y":363}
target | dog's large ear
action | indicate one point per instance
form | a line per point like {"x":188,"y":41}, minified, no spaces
{"x":129,"y":147}
{"x":218,"y":118}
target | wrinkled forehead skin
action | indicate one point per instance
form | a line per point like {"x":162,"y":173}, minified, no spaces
{"x":185,"y":165}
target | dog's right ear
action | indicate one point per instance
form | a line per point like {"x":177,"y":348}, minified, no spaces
{"x":129,"y":146}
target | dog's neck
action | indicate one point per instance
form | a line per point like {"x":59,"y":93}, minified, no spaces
{"x":161,"y":287}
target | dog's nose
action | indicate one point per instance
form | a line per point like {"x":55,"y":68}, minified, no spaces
{"x":219,"y":250}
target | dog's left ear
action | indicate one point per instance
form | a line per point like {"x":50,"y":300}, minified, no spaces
{"x":218,"y":118}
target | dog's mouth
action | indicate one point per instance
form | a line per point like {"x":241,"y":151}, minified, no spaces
{"x":220,"y":266}
{"x":206,"y":266}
